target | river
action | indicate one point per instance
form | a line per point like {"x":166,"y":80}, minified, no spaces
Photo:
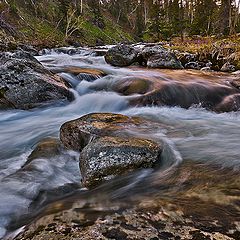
{"x":200,"y":144}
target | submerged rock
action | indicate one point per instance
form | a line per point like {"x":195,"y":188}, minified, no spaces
{"x":110,"y":156}
{"x":114,"y":211}
{"x":25,"y":83}
{"x":121,"y":55}
{"x":132,"y":85}
{"x":193,"y":65}
{"x":79,"y":70}
{"x":229,"y":104}
{"x":47,"y":148}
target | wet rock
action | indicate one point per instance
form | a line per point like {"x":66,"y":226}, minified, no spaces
{"x":185,"y":57}
{"x":79,"y":70}
{"x":184,"y":94}
{"x":121,"y":55}
{"x":229,"y":104}
{"x":76,"y":134}
{"x":132,"y":85}
{"x":88,"y":77}
{"x":235,"y":83}
{"x":47,"y":148}
{"x":106,"y":157}
{"x":159,"y":57}
{"x":109,"y":146}
{"x":28,"y":48}
{"x":25,"y":83}
{"x":135,"y":223}
{"x":227,"y":67}
{"x":206,"y":69}
{"x":192,"y":65}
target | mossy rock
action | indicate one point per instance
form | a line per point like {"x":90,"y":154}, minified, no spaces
{"x":76,"y":134}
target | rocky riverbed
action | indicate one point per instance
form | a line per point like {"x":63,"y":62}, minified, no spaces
{"x":91,"y":150}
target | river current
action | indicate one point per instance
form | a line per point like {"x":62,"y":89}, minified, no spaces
{"x":204,"y":140}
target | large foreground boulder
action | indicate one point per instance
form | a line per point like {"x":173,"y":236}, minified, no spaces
{"x":108,"y":146}
{"x":121,"y":55}
{"x":110,"y":156}
{"x":25,"y":83}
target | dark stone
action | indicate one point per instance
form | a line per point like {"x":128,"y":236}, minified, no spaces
{"x":25,"y":83}
{"x":159,"y":57}
{"x":115,"y":233}
{"x":121,"y":55}
{"x":229,"y":104}
{"x":166,"y":235}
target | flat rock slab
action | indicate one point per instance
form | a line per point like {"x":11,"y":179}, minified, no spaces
{"x":107,"y":157}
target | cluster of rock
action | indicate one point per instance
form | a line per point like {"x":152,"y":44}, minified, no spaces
{"x":150,"y":56}
{"x":157,"y":56}
{"x":25,"y":83}
{"x":106,"y":148}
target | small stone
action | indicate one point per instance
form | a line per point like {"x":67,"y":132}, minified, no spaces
{"x":227,"y":67}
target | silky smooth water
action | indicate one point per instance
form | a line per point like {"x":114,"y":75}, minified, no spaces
{"x":190,"y":135}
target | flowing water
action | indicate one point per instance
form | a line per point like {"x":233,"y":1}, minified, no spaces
{"x":201,"y":155}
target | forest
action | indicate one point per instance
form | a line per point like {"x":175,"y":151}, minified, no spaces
{"x":141,"y":20}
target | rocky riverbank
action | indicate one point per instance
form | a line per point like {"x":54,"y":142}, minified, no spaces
{"x":162,"y":56}
{"x":117,"y":151}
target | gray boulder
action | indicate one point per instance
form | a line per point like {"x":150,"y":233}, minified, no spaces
{"x":25,"y":83}
{"x":159,"y":57}
{"x":107,"y":157}
{"x":121,"y":55}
